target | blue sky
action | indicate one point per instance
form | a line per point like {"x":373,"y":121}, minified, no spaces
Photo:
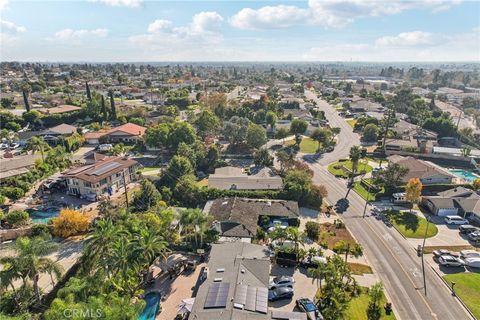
{"x":314,"y":30}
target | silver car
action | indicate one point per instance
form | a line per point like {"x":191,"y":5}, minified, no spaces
{"x":450,"y":261}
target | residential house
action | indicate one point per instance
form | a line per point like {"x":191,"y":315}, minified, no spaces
{"x":457,"y":201}
{"x":105,"y":176}
{"x":236,"y":219}
{"x":236,"y":285}
{"x":11,"y":166}
{"x":427,"y":172}
{"x":128,"y":132}
{"x":233,"y":178}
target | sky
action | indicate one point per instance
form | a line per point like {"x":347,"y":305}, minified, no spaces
{"x":314,"y":30}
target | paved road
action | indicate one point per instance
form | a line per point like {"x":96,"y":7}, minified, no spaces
{"x":391,"y":256}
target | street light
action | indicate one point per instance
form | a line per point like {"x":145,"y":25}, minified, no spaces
{"x":423,"y":252}
{"x":366,"y":201}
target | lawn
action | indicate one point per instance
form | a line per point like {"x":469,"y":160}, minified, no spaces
{"x":467,"y":287}
{"x":306,"y":146}
{"x":357,"y":308}
{"x":411,"y":225}
{"x":359,"y":269}
{"x":147,"y":169}
{"x":360,"y":189}
{"x":336,"y":169}
{"x":352,"y":122}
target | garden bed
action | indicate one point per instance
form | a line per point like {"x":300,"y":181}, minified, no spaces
{"x":359,"y":269}
{"x":330,"y":234}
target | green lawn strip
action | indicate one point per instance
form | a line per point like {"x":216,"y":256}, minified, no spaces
{"x":430,"y":249}
{"x":147,"y":169}
{"x":359,"y":269}
{"x":357,"y":308}
{"x":467,"y":287}
{"x":363,"y":192}
{"x":411,"y":225}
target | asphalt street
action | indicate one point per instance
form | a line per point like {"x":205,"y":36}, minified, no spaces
{"x":391,"y":256}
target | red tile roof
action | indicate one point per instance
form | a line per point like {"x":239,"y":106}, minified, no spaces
{"x":129,"y":128}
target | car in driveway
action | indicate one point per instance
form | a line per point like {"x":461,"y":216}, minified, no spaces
{"x":450,"y":261}
{"x":281,"y":281}
{"x":280,"y":293}
{"x":474,"y":236}
{"x":443,"y":252}
{"x":313,"y":262}
{"x":469,"y":254}
{"x":453,"y":220}
{"x":307,"y":306}
{"x":472,"y":262}
{"x":277,"y":224}
{"x":467,"y":229}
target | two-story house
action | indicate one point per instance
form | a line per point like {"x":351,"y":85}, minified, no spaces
{"x":106,"y":176}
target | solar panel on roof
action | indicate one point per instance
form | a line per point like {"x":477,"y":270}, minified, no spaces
{"x":105,"y":168}
{"x":261,"y":303}
{"x":241,"y":294}
{"x":217,"y":295}
{"x":251,"y":298}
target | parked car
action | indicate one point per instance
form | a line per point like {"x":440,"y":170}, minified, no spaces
{"x":455,"y":220}
{"x":313,"y":262}
{"x":443,"y":252}
{"x":469,"y":254}
{"x":276,"y":244}
{"x":474,"y":236}
{"x":467,"y":229}
{"x":450,"y":261}
{"x":472,"y":262}
{"x":307,"y":306}
{"x":280,"y":293}
{"x":281,"y":281}
{"x":3,"y":146}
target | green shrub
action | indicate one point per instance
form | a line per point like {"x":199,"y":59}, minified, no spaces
{"x":313,"y":229}
{"x":13,"y":193}
{"x":40,"y":230}
{"x":16,"y":218}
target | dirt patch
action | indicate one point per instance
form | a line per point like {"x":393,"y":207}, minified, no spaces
{"x":330,"y":234}
{"x":359,"y":269}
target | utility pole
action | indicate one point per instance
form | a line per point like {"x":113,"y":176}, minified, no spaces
{"x":366,"y":201}
{"x":459,"y":117}
{"x":423,"y":252}
{"x":125,"y":186}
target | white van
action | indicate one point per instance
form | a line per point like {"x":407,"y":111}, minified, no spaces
{"x":455,"y":220}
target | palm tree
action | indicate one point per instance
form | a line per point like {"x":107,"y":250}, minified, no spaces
{"x":29,"y":263}
{"x":52,"y":268}
{"x":355,"y":154}
{"x":319,"y":274}
{"x":35,"y":144}
{"x":193,"y":221}
{"x":149,"y":245}
{"x":295,"y":235}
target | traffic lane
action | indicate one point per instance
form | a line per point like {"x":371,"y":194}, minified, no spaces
{"x":402,"y":278}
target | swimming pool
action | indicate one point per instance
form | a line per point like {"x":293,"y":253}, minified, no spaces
{"x":149,"y":313}
{"x":465,"y":174}
{"x":43,"y":216}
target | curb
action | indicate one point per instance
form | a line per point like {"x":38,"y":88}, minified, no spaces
{"x":456,"y":296}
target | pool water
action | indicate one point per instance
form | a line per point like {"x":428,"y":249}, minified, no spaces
{"x":465,"y":174}
{"x":39,"y":216}
{"x":150,"y":312}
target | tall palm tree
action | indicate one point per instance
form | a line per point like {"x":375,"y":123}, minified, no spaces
{"x":319,"y":274}
{"x":35,"y":144}
{"x":149,"y":245}
{"x":295,"y":235}
{"x":193,"y":221}
{"x":355,"y":154}
{"x":30,"y":263}
{"x":52,"y":268}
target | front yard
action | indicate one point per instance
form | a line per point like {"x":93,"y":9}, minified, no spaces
{"x":307,"y":145}
{"x":363,"y":192}
{"x":467,"y":287}
{"x":411,"y":225}
{"x":357,"y":308}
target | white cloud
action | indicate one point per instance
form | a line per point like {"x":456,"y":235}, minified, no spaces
{"x":205,"y":28}
{"x":120,"y":3}
{"x":270,"y":17}
{"x":328,"y":13}
{"x":70,"y":34}
{"x":9,"y":32}
{"x":407,"y":46}
{"x":159,"y":26}
{"x":413,"y":38}
{"x":3,"y":4}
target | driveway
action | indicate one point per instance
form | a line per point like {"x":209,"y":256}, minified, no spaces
{"x":304,"y":287}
